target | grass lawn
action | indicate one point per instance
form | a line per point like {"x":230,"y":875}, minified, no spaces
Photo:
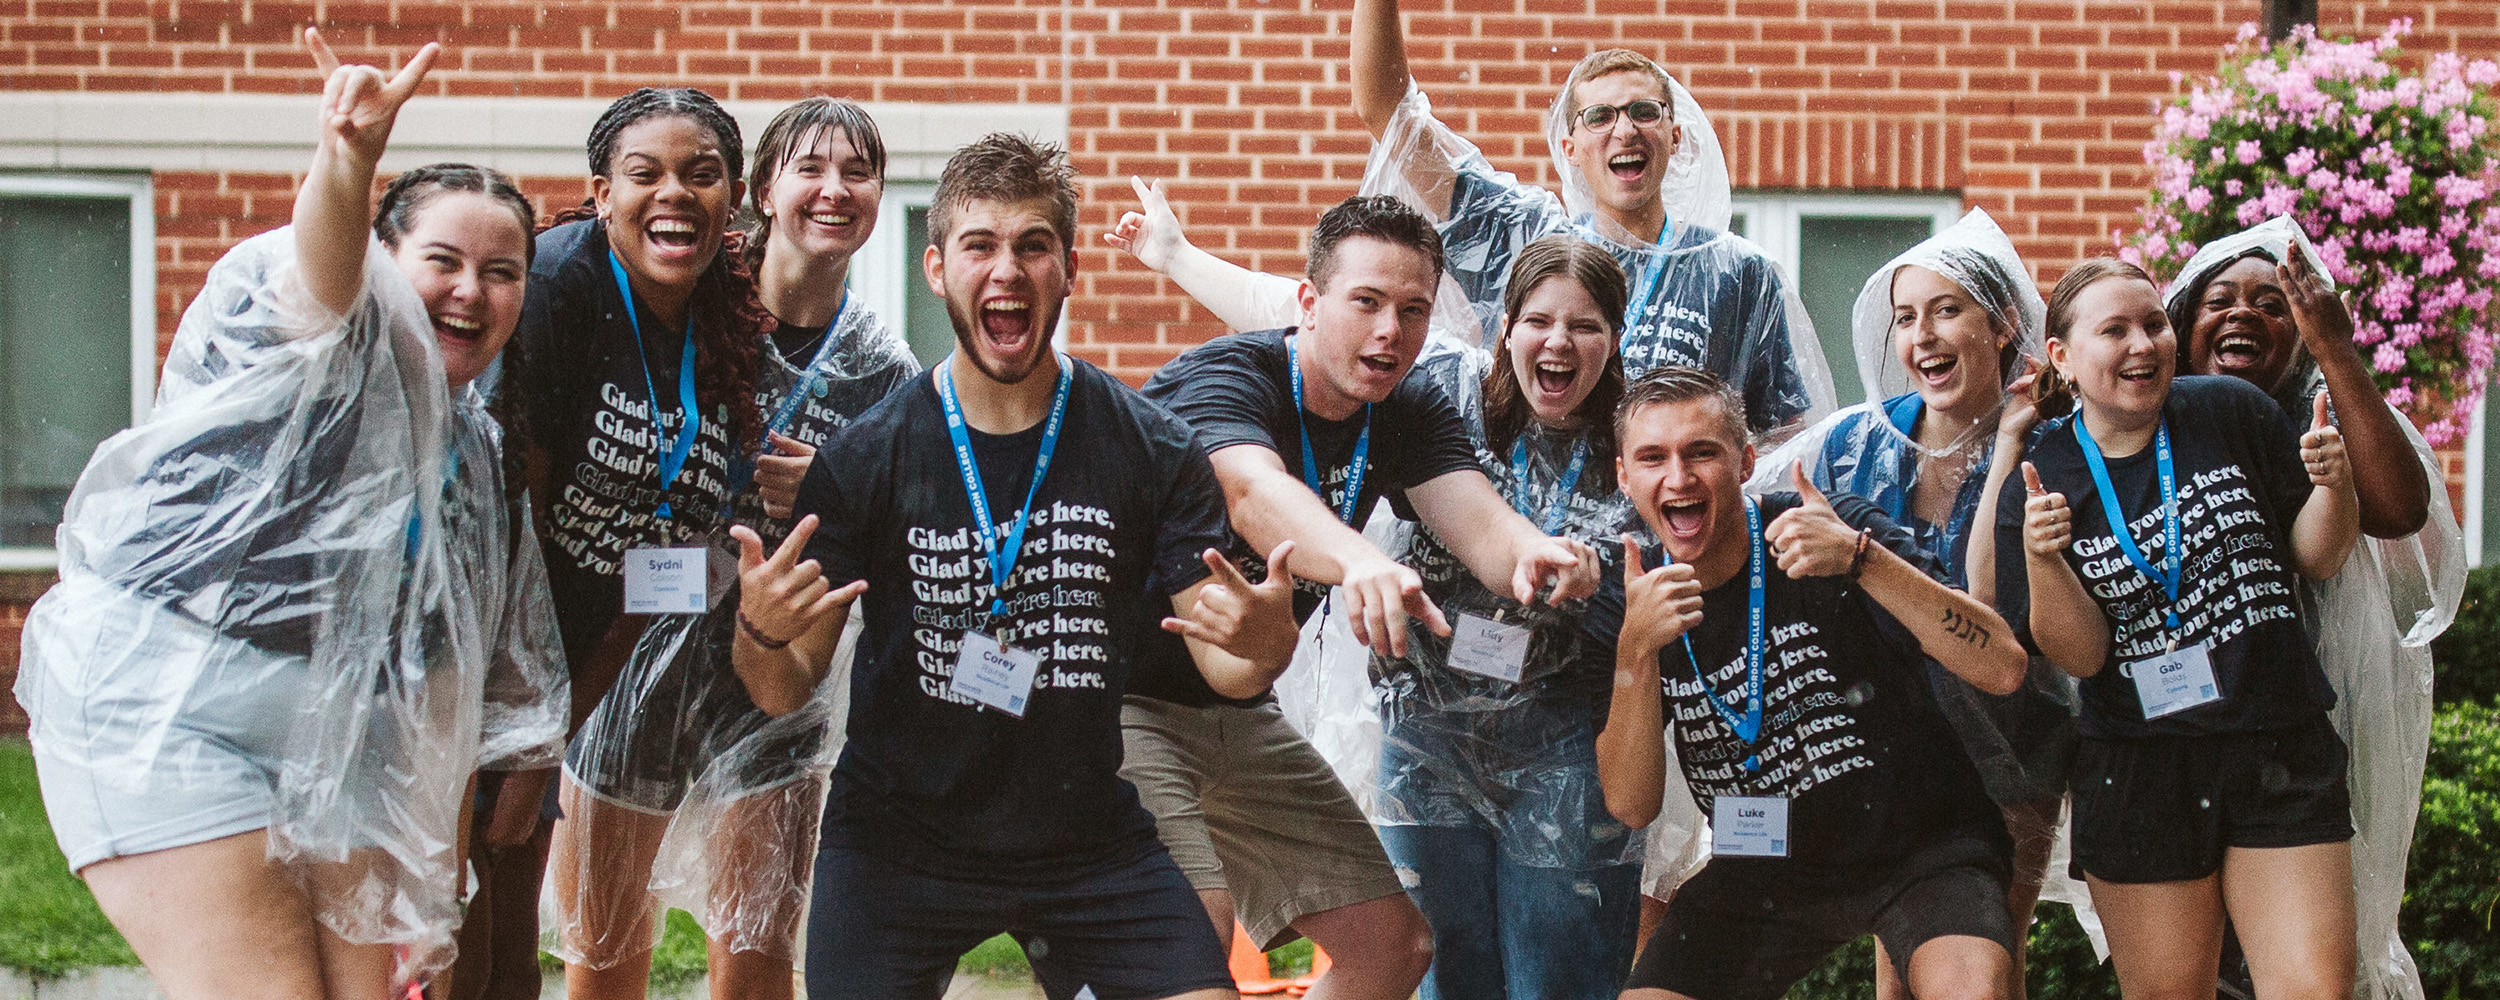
{"x":48,"y":923}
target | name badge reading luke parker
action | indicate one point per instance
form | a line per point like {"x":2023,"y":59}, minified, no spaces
{"x":667,"y":581}
{"x":2174,"y":681}
{"x":995,"y":675}
{"x":1748,"y":826}
{"x":1488,"y":648}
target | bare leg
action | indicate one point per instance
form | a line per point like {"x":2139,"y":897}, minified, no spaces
{"x":601,"y":864}
{"x":1653,"y":913}
{"x":2293,"y":909}
{"x":216,"y":920}
{"x":1381,"y":948}
{"x":1959,"y":967}
{"x":2165,"y":938}
{"x":2034,"y":829}
{"x":765,"y":845}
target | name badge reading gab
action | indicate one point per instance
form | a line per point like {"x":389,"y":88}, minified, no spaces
{"x":668,"y":581}
{"x":2174,"y":681}
{"x":995,"y":675}
{"x":1489,"y":648}
{"x":1749,"y":826}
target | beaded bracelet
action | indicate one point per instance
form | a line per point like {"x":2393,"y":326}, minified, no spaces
{"x":757,"y":634}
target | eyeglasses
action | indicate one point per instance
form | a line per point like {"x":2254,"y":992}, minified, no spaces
{"x":1600,"y":117}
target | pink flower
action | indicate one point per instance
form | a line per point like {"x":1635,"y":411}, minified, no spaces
{"x":2482,"y":72}
{"x":2249,"y":212}
{"x":2231,"y":187}
{"x":2388,"y":359}
{"x":2301,"y":161}
{"x":2197,"y":199}
{"x":2248,"y":151}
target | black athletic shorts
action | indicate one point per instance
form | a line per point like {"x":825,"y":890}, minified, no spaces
{"x":2164,"y":808}
{"x":1731,"y":933}
{"x":1127,"y":931}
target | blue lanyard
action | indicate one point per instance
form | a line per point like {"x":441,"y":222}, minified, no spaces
{"x":1651,"y":274}
{"x":2167,"y":574}
{"x":1559,"y":507}
{"x":1310,"y":464}
{"x":789,"y":405}
{"x":1002,"y":559}
{"x":416,"y":527}
{"x":673,"y":460}
{"x":1748,"y":727}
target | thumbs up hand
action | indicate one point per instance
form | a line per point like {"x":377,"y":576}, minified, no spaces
{"x":1810,"y":539}
{"x":1659,"y":605}
{"x":2322,"y":450}
{"x":2048,"y":524}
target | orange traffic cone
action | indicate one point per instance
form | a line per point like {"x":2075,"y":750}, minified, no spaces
{"x":1319,"y":967}
{"x":1249,"y":966}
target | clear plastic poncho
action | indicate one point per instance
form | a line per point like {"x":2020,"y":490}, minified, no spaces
{"x":2375,"y":621}
{"x":1714,"y":299}
{"x":309,"y":525}
{"x":734,"y":796}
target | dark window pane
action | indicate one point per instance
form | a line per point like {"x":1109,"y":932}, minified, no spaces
{"x":1835,"y":254}
{"x":64,"y":350}
{"x":925,"y":325}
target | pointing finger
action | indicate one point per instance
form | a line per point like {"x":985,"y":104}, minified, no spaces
{"x":412,"y":74}
{"x":323,"y":58}
{"x":788,"y":554}
{"x":1225,"y":574}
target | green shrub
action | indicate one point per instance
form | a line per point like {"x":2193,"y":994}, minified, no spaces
{"x":2467,"y":656}
{"x":2062,"y":966}
{"x":2453,"y":879}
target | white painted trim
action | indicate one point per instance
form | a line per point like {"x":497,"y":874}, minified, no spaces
{"x":1776,"y":221}
{"x":524,"y":136}
{"x":882,"y":266}
{"x":2477,"y":437}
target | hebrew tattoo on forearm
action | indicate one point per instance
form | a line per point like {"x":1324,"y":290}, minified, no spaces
{"x":1963,"y":627}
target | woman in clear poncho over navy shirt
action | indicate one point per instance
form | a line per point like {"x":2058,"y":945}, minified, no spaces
{"x":1943,"y":334}
{"x":298,"y":604}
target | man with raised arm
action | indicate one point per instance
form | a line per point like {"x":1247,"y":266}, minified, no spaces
{"x":1308,"y":427}
{"x":1643,"y":177}
{"x":1001,"y":520}
{"x":1786,"y":638}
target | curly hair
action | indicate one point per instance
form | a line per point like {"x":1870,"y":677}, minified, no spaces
{"x":731,"y":325}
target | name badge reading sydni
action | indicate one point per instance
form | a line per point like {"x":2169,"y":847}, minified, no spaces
{"x":995,"y":675}
{"x":2175,"y":681}
{"x":1489,"y":648}
{"x":1749,"y":826}
{"x":667,"y":581}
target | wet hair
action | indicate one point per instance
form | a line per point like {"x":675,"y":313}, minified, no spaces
{"x":795,"y":132}
{"x":731,"y":325}
{"x":1006,"y":169}
{"x":664,"y":102}
{"x":1989,"y":286}
{"x":1506,"y":414}
{"x":1668,"y":384}
{"x":396,"y":215}
{"x":2290,"y":392}
{"x":1606,"y":62}
{"x":1378,"y":216}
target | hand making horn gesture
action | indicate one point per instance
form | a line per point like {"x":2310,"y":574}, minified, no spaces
{"x":358,"y":104}
{"x":784,"y":597}
{"x":1151,"y":234}
{"x":2048,"y":523}
{"x":1659,"y":605}
{"x":2322,"y":450}
{"x":778,"y":472}
{"x":1253,"y":621}
{"x":1810,"y":539}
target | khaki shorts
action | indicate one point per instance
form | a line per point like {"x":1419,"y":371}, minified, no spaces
{"x":1247,"y":805}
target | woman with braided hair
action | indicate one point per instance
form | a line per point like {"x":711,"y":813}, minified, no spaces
{"x":299,"y":604}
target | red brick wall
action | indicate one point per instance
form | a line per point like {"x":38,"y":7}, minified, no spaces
{"x":2036,"y":111}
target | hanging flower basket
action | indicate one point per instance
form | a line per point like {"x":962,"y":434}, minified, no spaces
{"x":2393,"y":174}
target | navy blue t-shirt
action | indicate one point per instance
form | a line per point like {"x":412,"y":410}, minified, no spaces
{"x":929,"y":778}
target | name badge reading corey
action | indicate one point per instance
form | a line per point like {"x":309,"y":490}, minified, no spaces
{"x":1488,"y":648}
{"x":1749,"y":826}
{"x":667,"y":581}
{"x":995,"y":675}
{"x":2175,"y":681}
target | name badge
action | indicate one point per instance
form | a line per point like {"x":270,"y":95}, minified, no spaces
{"x":1488,"y":648}
{"x":1749,"y":826}
{"x":995,"y":675}
{"x":667,"y":581}
{"x":2175,"y":681}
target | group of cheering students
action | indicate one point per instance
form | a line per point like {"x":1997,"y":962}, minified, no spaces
{"x":627,"y":560}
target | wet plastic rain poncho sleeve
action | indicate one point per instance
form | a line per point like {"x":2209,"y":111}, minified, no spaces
{"x":2374,"y":623}
{"x":677,"y":737}
{"x":1700,"y":296}
{"x":309,"y":525}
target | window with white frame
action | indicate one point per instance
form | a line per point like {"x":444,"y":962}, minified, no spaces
{"x":77,"y":339}
{"x":885,"y":274}
{"x":1826,"y":245}
{"x":2481,"y":515}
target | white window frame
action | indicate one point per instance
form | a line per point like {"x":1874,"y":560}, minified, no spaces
{"x":2475,"y":470}
{"x":140,"y":191}
{"x":1775,"y":221}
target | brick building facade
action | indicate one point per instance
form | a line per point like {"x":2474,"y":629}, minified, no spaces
{"x":2036,"y":111}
